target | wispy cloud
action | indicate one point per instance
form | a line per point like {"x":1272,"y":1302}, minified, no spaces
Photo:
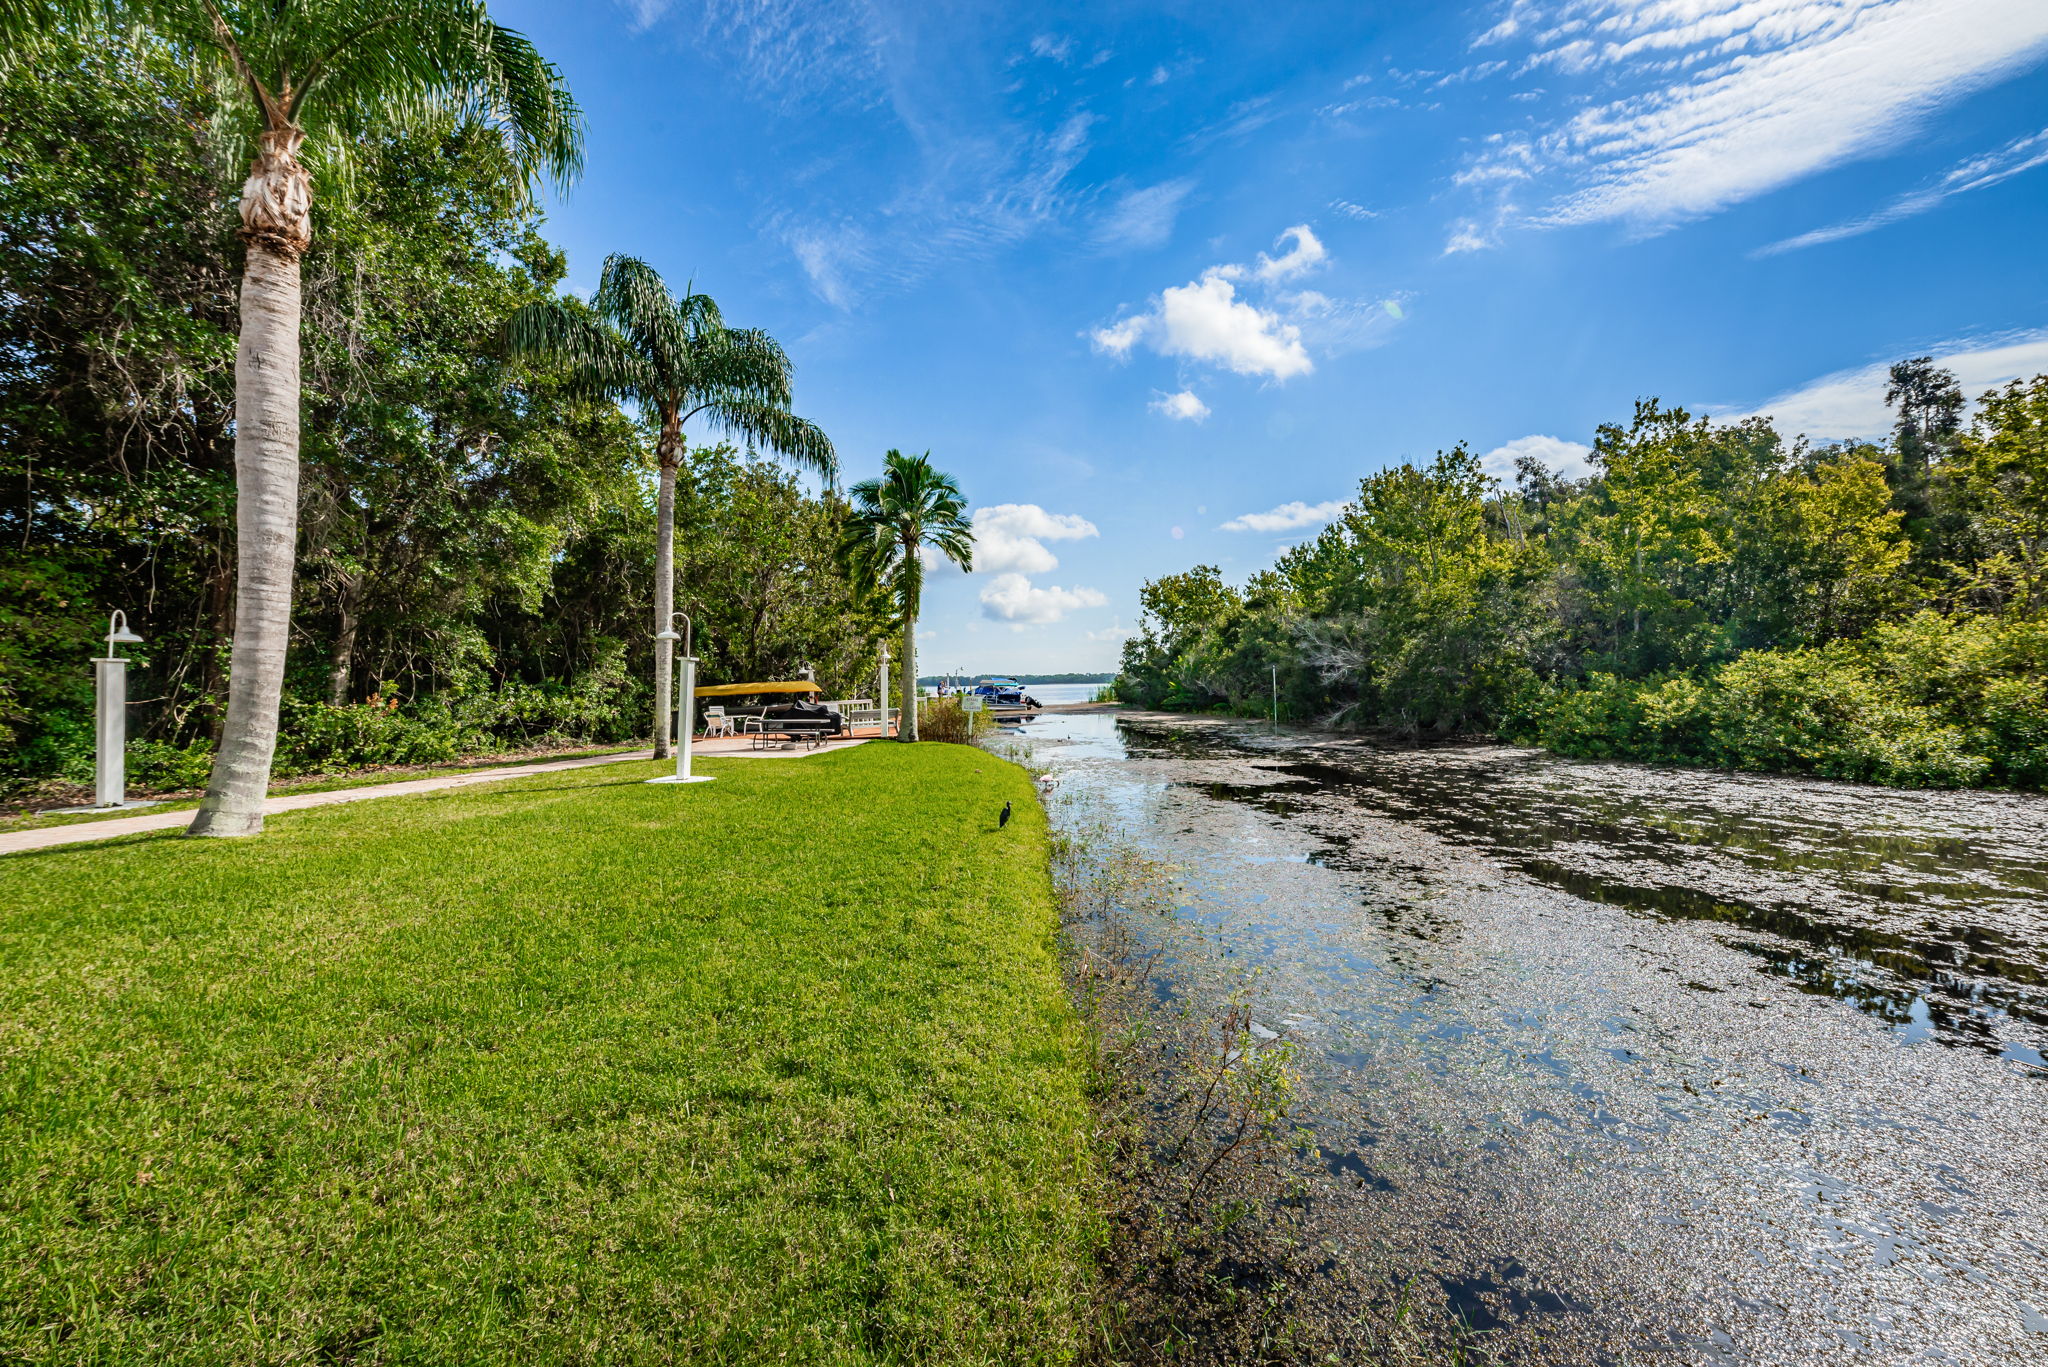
{"x":978,"y":199}
{"x":1304,"y":253}
{"x":1850,"y":403}
{"x":1978,"y":173}
{"x":1288,"y":517}
{"x":796,"y":53}
{"x":1144,"y":217}
{"x":1468,"y":236}
{"x":1054,"y":47}
{"x":965,"y":178}
{"x":1703,"y":104}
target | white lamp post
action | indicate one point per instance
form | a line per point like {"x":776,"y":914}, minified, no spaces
{"x":110,"y":767}
{"x":689,"y":705}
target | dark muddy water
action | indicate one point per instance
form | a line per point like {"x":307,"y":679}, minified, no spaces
{"x":1608,"y":1063}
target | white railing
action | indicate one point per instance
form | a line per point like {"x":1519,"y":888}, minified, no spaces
{"x":863,"y":712}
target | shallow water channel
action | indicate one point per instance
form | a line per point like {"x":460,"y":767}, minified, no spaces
{"x":1611,"y":1063}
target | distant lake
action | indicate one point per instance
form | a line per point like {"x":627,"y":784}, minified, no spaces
{"x":1058,"y":693}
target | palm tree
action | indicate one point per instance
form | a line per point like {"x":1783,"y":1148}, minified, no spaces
{"x":675,"y":359}
{"x":893,"y":519}
{"x":303,"y":80}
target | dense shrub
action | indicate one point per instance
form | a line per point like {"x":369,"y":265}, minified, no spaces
{"x":1929,"y":702}
{"x":944,"y":719}
{"x":156,"y":766}
{"x":316,"y":737}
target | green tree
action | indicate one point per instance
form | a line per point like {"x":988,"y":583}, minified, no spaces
{"x":1929,"y":404}
{"x":893,"y":520}
{"x":1845,"y":545}
{"x":1930,"y":409}
{"x":2002,"y":466}
{"x":331,"y":72}
{"x":676,"y":360}
{"x":763,"y":581}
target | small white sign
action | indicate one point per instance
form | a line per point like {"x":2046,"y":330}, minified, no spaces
{"x":971,"y":702}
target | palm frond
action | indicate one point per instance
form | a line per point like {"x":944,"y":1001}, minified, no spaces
{"x":890,"y":519}
{"x":744,"y":365}
{"x":633,"y":298}
{"x":593,"y":356}
{"x":349,"y":69}
{"x":777,"y":430}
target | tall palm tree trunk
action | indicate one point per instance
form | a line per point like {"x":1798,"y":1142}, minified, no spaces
{"x":913,"y":590}
{"x":276,"y":223}
{"x":664,"y":603}
{"x":908,"y":729}
{"x":668,"y":456}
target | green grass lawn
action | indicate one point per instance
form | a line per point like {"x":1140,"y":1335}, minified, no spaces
{"x":566,"y":1069}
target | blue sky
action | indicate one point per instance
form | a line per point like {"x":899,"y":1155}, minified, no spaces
{"x":1160,"y":283}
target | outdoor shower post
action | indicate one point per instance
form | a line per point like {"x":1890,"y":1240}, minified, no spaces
{"x":110,"y":722}
{"x":110,"y":734}
{"x":686,"y":719}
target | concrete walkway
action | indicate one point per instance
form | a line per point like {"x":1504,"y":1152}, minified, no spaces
{"x":18,"y":841}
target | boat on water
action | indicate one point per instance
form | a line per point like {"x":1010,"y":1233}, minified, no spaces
{"x":1005,"y":696}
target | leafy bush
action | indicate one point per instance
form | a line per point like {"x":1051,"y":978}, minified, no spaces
{"x":315,"y":737}
{"x":944,"y":719}
{"x":62,"y":748}
{"x":159,"y":767}
{"x":1932,"y":702}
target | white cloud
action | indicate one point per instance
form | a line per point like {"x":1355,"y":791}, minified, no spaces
{"x":1144,"y":218}
{"x":1119,"y":337}
{"x":1287,"y":517}
{"x":1725,"y":100}
{"x":1566,"y":458}
{"x":1303,"y":256}
{"x":1204,"y":320}
{"x":1012,"y":537}
{"x":1850,"y":403}
{"x":1115,"y":631}
{"x":1468,"y":236}
{"x":1182,"y":407}
{"x":1015,"y":599}
{"x":1357,"y":212}
{"x":1267,"y":331}
{"x":1053,"y":47}
{"x":1978,"y":173}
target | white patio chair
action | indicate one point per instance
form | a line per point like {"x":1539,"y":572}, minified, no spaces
{"x":716,"y":723}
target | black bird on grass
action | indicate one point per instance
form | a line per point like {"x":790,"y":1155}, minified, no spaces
{"x":1004,"y":819}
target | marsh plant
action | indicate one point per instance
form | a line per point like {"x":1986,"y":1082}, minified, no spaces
{"x":1204,"y":1260}
{"x":1217,"y":1250}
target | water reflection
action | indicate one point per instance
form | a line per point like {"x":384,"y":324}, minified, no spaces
{"x":1605,"y":1060}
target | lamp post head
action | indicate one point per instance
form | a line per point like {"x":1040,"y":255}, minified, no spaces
{"x":669,"y":635}
{"x":119,"y":634}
